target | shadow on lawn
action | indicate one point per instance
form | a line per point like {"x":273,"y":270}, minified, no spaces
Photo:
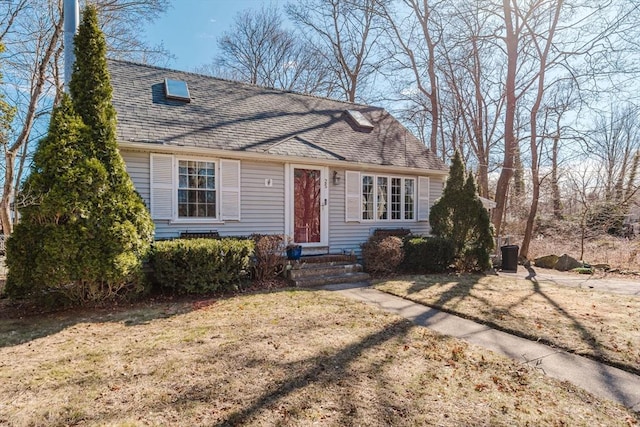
{"x":460,"y":290}
{"x":463,"y":287}
{"x":325,"y":370}
{"x":585,"y":334}
{"x":25,"y":322}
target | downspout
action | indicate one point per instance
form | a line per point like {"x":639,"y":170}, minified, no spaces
{"x":71,"y":15}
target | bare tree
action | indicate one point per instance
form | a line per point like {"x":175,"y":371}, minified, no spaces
{"x":258,"y":49}
{"x":36,"y":39}
{"x":121,"y":21}
{"x":542,"y":48}
{"x":32,"y":33}
{"x":345,"y":33}
{"x":415,"y":37}
{"x":472,"y":98}
{"x":615,"y":142}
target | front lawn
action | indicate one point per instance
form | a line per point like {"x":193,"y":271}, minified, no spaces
{"x":290,"y":357}
{"x":596,"y":324}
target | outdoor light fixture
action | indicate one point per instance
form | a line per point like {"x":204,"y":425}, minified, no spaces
{"x":336,"y":178}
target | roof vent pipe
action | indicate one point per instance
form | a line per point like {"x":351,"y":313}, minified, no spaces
{"x":71,"y":15}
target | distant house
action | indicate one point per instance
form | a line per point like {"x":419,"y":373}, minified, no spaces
{"x":213,"y":155}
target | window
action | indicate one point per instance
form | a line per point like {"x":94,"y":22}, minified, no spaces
{"x":177,"y":89}
{"x":367,"y":197}
{"x":196,"y":189}
{"x":383,"y":207}
{"x":359,"y":119}
{"x":409,"y":196}
{"x":396,"y":198}
{"x":388,"y":198}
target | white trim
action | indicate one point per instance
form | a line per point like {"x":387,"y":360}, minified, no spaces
{"x":196,"y":220}
{"x":161,"y":192}
{"x":324,"y":203}
{"x":288,"y":202}
{"x":375,"y":218}
{"x":423,"y":198}
{"x":159,"y":184}
{"x":159,"y":147}
{"x":176,"y":185}
{"x":230,"y":206}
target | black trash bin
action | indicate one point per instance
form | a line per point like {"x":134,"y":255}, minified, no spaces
{"x":509,"y":257}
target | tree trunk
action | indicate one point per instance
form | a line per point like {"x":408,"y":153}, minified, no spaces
{"x":555,"y":189}
{"x":502,"y":187}
{"x":528,"y":231}
{"x":518,"y":173}
{"x":533,"y":139}
{"x":5,"y":201}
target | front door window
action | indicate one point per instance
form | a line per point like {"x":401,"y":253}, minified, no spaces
{"x":307,"y":205}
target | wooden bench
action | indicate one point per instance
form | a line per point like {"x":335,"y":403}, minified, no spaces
{"x":386,"y":232}
{"x":200,"y":235}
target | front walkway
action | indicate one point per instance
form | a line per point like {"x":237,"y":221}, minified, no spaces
{"x":597,"y":378}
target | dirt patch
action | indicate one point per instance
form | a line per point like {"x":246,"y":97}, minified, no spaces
{"x":595,"y":324}
{"x":283,"y":358}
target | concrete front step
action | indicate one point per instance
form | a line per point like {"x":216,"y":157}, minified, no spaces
{"x":315,"y":281}
{"x":324,"y":269}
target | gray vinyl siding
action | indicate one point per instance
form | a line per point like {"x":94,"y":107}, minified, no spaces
{"x":137,"y":165}
{"x":345,"y":237}
{"x":435,"y":188}
{"x":262,"y":207}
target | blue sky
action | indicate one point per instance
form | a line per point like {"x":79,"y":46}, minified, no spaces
{"x":190,"y":28}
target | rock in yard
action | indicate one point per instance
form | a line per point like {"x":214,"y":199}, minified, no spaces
{"x":548,"y":261}
{"x":566,"y":263}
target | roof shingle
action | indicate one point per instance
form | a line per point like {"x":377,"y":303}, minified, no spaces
{"x":241,"y":117}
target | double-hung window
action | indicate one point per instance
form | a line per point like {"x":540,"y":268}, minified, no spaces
{"x":196,"y":189}
{"x":388,"y":198}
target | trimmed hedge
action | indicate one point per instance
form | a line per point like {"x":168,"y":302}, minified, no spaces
{"x":192,"y":266}
{"x":428,"y":254}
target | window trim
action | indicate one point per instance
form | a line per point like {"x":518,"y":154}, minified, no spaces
{"x":389,"y":178}
{"x":195,"y":220}
{"x":216,"y":189}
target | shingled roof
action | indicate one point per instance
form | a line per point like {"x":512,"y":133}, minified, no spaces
{"x":241,"y":117}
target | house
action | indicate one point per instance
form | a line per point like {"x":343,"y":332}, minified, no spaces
{"x":208,"y":154}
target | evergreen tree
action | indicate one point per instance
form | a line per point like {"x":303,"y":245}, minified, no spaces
{"x":88,"y":231}
{"x":460,"y":217}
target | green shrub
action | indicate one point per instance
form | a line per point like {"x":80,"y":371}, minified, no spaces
{"x":382,"y":254}
{"x":268,"y":259}
{"x":474,"y":258}
{"x":460,"y":217}
{"x":85,"y":232}
{"x":428,"y":254}
{"x":192,"y":266}
{"x":66,"y":270}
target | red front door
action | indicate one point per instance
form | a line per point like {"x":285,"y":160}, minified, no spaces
{"x":307,"y":199}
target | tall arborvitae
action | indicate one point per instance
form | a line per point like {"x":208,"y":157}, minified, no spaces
{"x":129,"y":224}
{"x":87,"y":230}
{"x":460,"y":217}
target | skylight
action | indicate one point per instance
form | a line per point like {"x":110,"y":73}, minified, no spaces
{"x":177,"y":89}
{"x":359,"y":119}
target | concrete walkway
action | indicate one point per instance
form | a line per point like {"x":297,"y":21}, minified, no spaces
{"x":597,"y":378}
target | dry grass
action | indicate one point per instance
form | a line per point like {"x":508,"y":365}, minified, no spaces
{"x":619,"y":253}
{"x":600,"y":325}
{"x":283,"y":358}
